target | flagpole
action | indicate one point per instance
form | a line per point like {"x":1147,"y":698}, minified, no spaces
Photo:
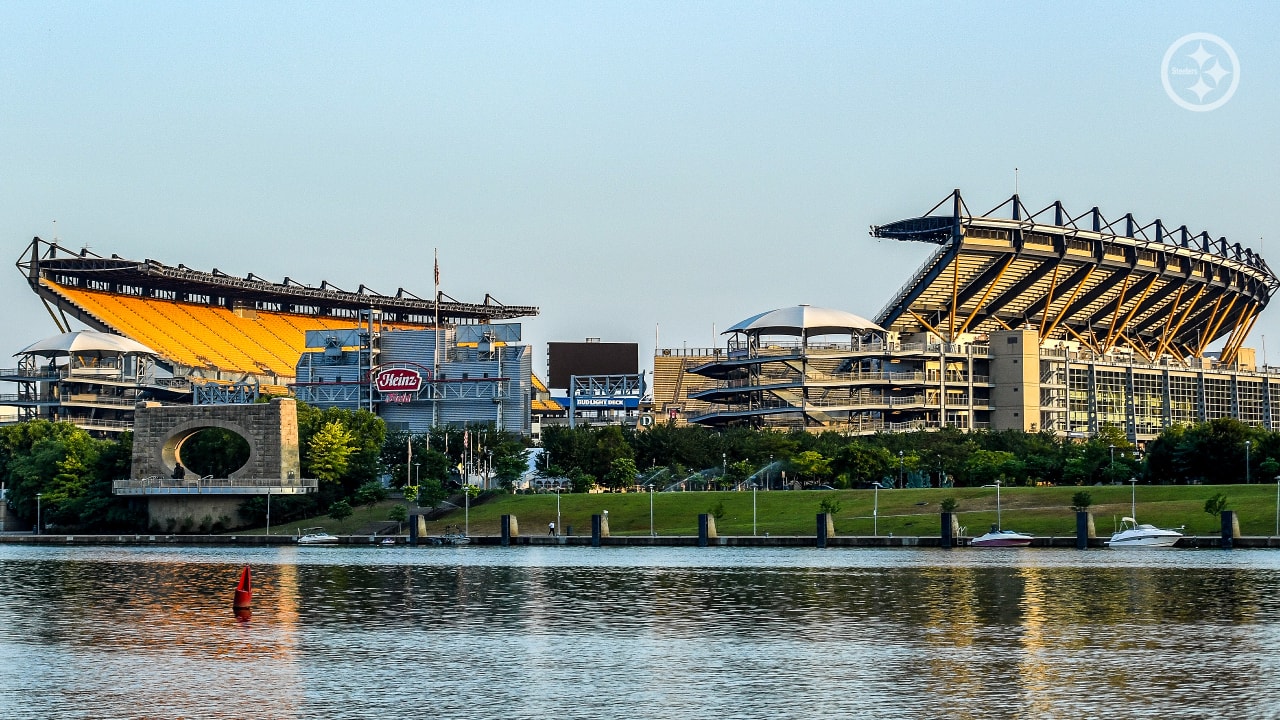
{"x":435,"y":348}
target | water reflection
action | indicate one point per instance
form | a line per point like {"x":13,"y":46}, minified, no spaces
{"x":666,"y":633}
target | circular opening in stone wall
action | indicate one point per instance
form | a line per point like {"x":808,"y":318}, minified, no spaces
{"x":214,"y":452}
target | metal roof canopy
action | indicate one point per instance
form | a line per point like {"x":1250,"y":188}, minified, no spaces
{"x":50,"y":260}
{"x":1102,"y":283}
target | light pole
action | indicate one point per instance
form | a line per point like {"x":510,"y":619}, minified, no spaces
{"x":724,"y":466}
{"x":768,"y":475}
{"x":417,"y":473}
{"x":268,"y":511}
{"x":651,"y":532}
{"x":558,"y":525}
{"x":875,"y":511}
{"x":38,"y":532}
{"x":488,"y":481}
{"x":899,"y":468}
{"x":1247,"y":443}
{"x":1113,"y":458}
{"x":753,"y":509}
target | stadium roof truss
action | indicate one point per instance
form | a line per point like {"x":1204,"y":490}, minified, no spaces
{"x":1105,"y":284}
{"x":149,"y":278}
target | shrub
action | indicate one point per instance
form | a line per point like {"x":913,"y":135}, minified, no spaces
{"x":1081,"y":501}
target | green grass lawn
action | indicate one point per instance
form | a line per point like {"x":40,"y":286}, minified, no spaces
{"x":1042,"y":511}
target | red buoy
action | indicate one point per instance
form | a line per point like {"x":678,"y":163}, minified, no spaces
{"x":244,"y":591}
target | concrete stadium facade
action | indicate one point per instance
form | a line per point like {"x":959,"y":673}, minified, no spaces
{"x":1036,"y":322}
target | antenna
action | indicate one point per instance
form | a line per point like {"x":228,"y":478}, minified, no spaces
{"x":1015,"y":181}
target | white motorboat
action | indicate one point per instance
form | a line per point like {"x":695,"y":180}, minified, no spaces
{"x":1133,"y":534}
{"x":1002,"y":538}
{"x":316,"y":536}
{"x":998,"y":537}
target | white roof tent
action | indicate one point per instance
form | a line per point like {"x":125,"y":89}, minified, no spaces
{"x":86,"y":342}
{"x":805,"y":321}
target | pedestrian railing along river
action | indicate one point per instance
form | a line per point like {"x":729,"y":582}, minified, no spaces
{"x":214,"y":486}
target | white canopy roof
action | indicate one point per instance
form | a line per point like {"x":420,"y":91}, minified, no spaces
{"x":86,"y":341}
{"x":805,"y":320}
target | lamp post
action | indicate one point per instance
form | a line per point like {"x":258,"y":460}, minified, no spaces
{"x":1247,"y":443}
{"x":558,"y":525}
{"x":417,"y":473}
{"x":38,"y":531}
{"x":899,"y":468}
{"x":753,"y":509}
{"x":1112,"y":448}
{"x":651,"y":532}
{"x":724,"y":466}
{"x":768,"y":475}
{"x":875,"y":510}
{"x":268,"y":511}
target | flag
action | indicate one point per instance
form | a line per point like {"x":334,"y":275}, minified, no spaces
{"x":466,"y":439}
{"x":437,"y":268}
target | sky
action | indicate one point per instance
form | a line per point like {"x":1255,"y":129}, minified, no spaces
{"x":641,"y":171}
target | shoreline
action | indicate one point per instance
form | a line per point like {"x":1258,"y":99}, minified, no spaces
{"x":777,"y":541}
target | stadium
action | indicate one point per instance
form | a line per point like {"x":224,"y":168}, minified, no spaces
{"x":202,"y":337}
{"x":1034,"y":321}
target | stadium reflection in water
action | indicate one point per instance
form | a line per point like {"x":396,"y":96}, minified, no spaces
{"x":651,"y":633}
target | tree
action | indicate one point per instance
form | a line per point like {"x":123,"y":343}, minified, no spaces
{"x":370,"y":493}
{"x":340,"y":510}
{"x":829,"y":506}
{"x":861,"y":464}
{"x":949,"y":504}
{"x":986,"y":467}
{"x":329,"y":452}
{"x":811,"y":466}
{"x":622,"y":474}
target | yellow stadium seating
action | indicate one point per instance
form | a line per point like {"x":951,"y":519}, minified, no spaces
{"x":204,"y":336}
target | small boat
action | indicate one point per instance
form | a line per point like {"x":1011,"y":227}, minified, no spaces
{"x":316,"y":536}
{"x":1001,"y":538}
{"x":388,"y":541}
{"x":998,"y":537}
{"x":1135,"y":535}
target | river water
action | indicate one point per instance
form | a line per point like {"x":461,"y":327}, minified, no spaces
{"x":560,"y":632}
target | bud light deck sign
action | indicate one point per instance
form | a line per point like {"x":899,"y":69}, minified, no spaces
{"x":398,"y":385}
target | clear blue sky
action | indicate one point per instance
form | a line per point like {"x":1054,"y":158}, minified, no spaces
{"x":624,"y":166}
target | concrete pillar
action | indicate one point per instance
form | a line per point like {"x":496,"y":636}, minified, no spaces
{"x":597,"y":523}
{"x":510,"y":529}
{"x":413,"y":529}
{"x":706,"y":529}
{"x":1084,"y":529}
{"x":1230,"y":529}
{"x":825,"y":529}
{"x":950,"y":530}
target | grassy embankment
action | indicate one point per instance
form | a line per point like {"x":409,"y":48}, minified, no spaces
{"x":1042,"y":511}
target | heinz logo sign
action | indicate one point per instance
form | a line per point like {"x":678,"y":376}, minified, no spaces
{"x":399,"y":380}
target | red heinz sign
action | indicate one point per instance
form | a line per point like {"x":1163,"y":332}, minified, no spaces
{"x":399,"y":380}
